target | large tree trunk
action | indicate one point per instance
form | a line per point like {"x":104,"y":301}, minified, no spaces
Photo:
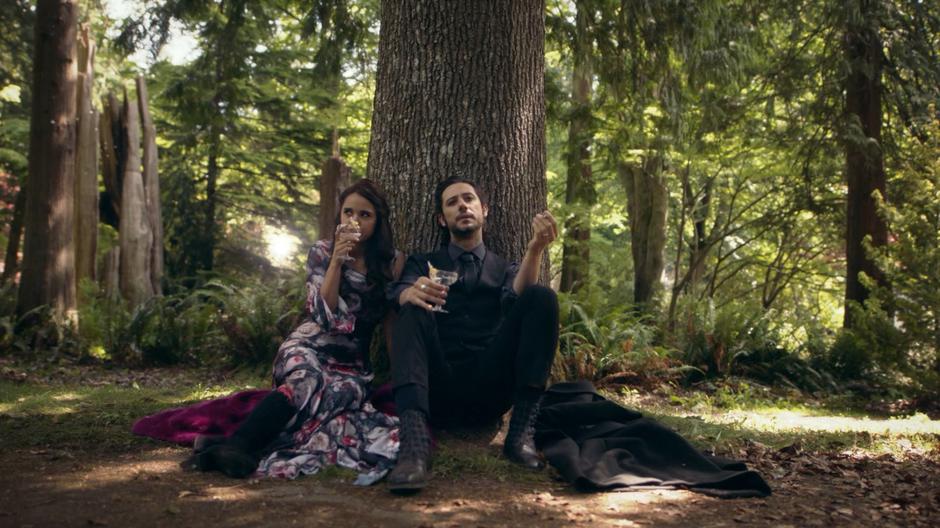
{"x":151,"y":177}
{"x":459,"y":92}
{"x":49,"y":255}
{"x":864,"y":169}
{"x":579,"y":189}
{"x":647,"y":206}
{"x":134,"y":234}
{"x":86,"y":180}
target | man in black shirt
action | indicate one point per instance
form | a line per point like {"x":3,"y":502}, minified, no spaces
{"x":492,"y":348}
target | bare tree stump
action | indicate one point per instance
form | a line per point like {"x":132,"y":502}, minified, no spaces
{"x":134,"y":235}
{"x":111,"y":158}
{"x":151,"y":187}
{"x":86,"y":177}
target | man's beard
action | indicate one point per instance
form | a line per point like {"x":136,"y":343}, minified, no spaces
{"x":465,"y":232}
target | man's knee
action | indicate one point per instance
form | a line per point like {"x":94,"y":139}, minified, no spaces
{"x":538,"y":296}
{"x":411,"y":315}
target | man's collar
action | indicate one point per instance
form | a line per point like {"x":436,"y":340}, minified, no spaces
{"x":455,"y":251}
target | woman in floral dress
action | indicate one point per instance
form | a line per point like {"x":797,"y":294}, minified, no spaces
{"x":319,"y":415}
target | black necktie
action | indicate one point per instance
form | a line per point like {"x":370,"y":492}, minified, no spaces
{"x":469,"y":271}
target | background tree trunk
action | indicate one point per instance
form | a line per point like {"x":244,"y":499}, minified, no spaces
{"x":699,"y":207}
{"x":647,"y":207}
{"x":579,"y":188}
{"x":111,"y":273}
{"x":333,"y":179}
{"x":864,"y":169}
{"x":460,"y":92}
{"x":11,"y":259}
{"x":48,"y":276}
{"x":86,"y":179}
{"x":112,"y":159}
{"x":134,"y":234}
{"x":151,"y":176}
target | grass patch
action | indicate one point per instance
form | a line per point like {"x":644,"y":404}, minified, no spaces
{"x":87,"y":418}
{"x":727,"y":421}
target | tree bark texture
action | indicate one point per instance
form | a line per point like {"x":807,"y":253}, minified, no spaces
{"x":206,"y":257}
{"x":699,"y":207}
{"x":333,"y":179}
{"x":151,"y":176}
{"x":48,"y":276}
{"x":865,"y":174}
{"x":459,"y":92}
{"x":112,"y":159}
{"x":86,"y":178}
{"x":647,"y":207}
{"x":111,"y":273}
{"x":579,"y":187}
{"x":134,"y":235}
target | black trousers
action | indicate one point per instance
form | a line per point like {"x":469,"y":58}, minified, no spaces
{"x":455,"y":386}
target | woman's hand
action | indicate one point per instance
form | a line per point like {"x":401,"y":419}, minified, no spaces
{"x":424,"y":293}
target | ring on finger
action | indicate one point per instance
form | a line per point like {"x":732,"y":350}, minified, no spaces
{"x":423,"y":287}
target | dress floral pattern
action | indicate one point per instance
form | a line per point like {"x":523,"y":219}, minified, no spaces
{"x":323,"y":368}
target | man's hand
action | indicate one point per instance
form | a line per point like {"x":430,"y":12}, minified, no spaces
{"x":544,"y":231}
{"x":424,"y":293}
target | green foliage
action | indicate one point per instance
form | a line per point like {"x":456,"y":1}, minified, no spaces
{"x":38,"y":332}
{"x":597,"y":341}
{"x":256,"y":319}
{"x":246,"y":125}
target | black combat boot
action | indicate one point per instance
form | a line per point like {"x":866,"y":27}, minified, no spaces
{"x":412,"y":471}
{"x":520,"y":440}
{"x":238,"y":455}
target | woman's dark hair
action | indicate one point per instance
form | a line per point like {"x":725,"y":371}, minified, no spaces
{"x":380,"y":248}
{"x":439,"y":201}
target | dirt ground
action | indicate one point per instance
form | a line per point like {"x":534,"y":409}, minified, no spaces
{"x":49,"y":487}
{"x":134,"y":482}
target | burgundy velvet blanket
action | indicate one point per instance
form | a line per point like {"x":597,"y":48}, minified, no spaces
{"x":221,"y":416}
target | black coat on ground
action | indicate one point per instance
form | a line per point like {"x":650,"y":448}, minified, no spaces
{"x":598,"y":445}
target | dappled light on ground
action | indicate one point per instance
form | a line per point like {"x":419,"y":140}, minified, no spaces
{"x":777,"y":420}
{"x":121,"y":471}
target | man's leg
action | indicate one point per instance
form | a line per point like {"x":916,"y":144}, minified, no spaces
{"x":517,"y":365}
{"x":415,"y":351}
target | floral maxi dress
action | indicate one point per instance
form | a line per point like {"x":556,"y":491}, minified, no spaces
{"x":324,"y":370}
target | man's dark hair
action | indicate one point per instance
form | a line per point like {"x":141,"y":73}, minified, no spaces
{"x":439,"y":201}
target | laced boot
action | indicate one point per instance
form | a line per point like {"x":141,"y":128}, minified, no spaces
{"x":520,"y":440}
{"x":412,"y":471}
{"x":238,"y":455}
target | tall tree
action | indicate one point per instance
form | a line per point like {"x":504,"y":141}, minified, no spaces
{"x":250,"y":120}
{"x":48,"y":276}
{"x":579,"y":188}
{"x":864,"y":168}
{"x":134,"y":234}
{"x":460,"y":92}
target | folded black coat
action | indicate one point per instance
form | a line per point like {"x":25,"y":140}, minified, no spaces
{"x":598,"y":445}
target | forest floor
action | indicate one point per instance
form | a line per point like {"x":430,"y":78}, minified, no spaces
{"x":68,"y":459}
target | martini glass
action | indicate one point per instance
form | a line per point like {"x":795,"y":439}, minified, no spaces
{"x":444,"y":278}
